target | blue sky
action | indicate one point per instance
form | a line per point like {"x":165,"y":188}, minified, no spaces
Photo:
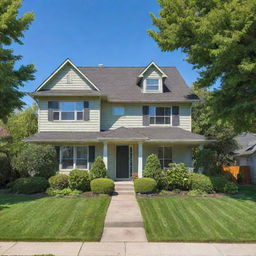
{"x":92,"y":32}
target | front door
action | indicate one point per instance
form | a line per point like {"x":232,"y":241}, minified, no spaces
{"x":122,"y":162}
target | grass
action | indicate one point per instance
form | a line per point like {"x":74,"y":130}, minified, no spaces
{"x":51,"y":219}
{"x":201,"y":219}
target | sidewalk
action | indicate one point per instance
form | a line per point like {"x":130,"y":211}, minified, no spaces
{"x":125,"y":249}
{"x":124,"y":222}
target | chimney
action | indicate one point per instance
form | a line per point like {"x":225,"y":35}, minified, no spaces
{"x":101,"y":65}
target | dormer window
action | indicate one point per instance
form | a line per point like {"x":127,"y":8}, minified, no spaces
{"x":152,"y":84}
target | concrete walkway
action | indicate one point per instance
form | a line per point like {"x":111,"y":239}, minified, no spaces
{"x":124,"y":222}
{"x":125,"y":249}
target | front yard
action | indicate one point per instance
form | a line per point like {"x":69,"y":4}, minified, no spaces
{"x":201,"y":219}
{"x":51,"y":219}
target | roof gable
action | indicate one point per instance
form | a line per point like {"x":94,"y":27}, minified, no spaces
{"x":152,"y":64}
{"x":67,"y":68}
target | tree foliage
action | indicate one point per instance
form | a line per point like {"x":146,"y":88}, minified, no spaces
{"x":12,"y":77}
{"x":205,"y":123}
{"x":20,"y":125}
{"x":219,"y":39}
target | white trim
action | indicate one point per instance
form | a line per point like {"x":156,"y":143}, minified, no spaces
{"x":105,"y":154}
{"x":140,"y":159}
{"x":152,"y":64}
{"x":67,"y":61}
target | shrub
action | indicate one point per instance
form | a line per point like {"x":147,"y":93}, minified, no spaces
{"x":30,"y":185}
{"x":153,"y":170}
{"x":63,"y":192}
{"x":98,"y":169}
{"x":240,"y":178}
{"x":196,"y":192}
{"x":206,"y":159}
{"x":145,"y":185}
{"x":36,"y":160}
{"x":59,"y":181}
{"x":230,"y":188}
{"x":7,"y":174}
{"x":218,"y":183}
{"x":80,"y":180}
{"x":177,"y":176}
{"x":200,"y":182}
{"x":102,"y":186}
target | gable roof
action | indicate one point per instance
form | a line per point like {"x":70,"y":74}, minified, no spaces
{"x":148,"y":66}
{"x":247,"y":142}
{"x":120,"y":84}
{"x":66,"y":62}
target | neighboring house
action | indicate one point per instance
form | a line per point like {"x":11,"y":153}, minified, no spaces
{"x":246,"y":155}
{"x":120,"y":113}
{"x":3,"y":132}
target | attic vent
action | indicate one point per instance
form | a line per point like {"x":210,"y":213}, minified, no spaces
{"x":101,"y":65}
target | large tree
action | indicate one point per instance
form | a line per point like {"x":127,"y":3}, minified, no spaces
{"x":12,"y":76}
{"x":219,"y":39}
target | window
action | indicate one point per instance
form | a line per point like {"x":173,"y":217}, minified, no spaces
{"x":74,"y":157}
{"x":118,"y":111}
{"x":160,"y":115}
{"x":67,"y":159}
{"x":69,"y":78}
{"x":165,"y":156}
{"x":68,"y":110}
{"x":152,"y":84}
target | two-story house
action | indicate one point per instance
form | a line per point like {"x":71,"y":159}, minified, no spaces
{"x":120,"y":113}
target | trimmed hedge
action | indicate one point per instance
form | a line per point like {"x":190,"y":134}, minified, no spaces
{"x":58,"y":181}
{"x":230,"y":188}
{"x":219,"y":183}
{"x":201,"y":182}
{"x":102,"y":186}
{"x":30,"y":185}
{"x":63,"y":192}
{"x":98,"y":169}
{"x":79,"y":180}
{"x":145,"y":185}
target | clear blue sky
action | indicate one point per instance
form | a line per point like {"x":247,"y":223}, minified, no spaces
{"x":92,"y":32}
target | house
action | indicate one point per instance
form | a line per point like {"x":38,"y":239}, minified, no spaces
{"x":3,"y":132}
{"x":120,"y":113}
{"x":246,"y":155}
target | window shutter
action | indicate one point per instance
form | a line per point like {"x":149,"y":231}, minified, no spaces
{"x":145,"y":111}
{"x":52,"y":105}
{"x":86,"y":111}
{"x":175,"y":116}
{"x":91,"y":155}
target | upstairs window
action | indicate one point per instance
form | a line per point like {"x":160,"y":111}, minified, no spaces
{"x":152,"y":84}
{"x":118,"y":111}
{"x":68,"y":110}
{"x":159,"y":115}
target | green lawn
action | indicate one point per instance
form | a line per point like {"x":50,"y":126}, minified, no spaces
{"x":231,"y":219}
{"x":51,"y":219}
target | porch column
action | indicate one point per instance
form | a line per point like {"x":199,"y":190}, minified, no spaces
{"x":140,"y":159}
{"x":105,"y":154}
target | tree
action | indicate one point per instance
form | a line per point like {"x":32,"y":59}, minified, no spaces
{"x":219,"y":39}
{"x":21,"y":125}
{"x":11,"y":76}
{"x":204,"y":122}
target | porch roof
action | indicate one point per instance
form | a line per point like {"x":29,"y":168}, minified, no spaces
{"x":143,"y":134}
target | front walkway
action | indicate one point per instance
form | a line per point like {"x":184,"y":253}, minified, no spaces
{"x":124,"y":222}
{"x":125,"y":249}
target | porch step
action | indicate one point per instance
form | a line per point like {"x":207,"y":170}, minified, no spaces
{"x":124,"y":188}
{"x":125,"y":192}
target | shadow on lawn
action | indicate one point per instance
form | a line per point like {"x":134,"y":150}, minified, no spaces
{"x":10,"y":199}
{"x":246,"y":192}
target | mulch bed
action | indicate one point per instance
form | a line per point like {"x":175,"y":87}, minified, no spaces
{"x":182,"y":193}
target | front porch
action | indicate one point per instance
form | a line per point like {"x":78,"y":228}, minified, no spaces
{"x":124,"y":150}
